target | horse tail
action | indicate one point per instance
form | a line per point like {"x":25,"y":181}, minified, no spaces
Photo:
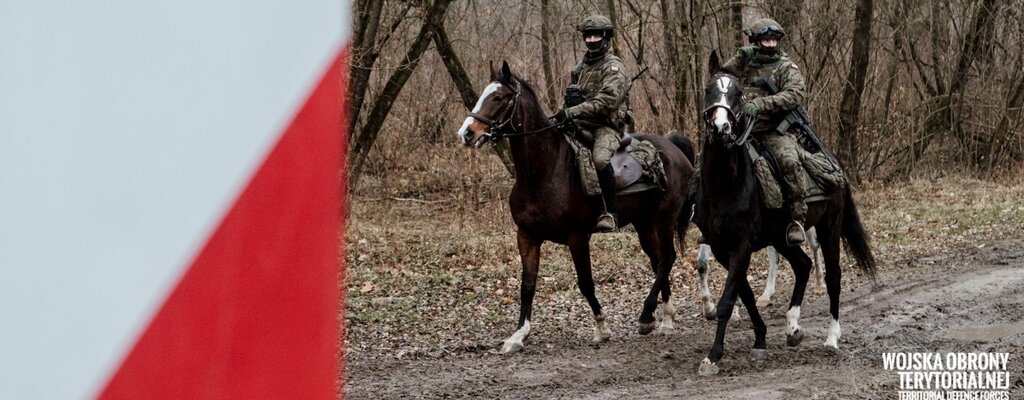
{"x":683,"y":222}
{"x":855,"y":237}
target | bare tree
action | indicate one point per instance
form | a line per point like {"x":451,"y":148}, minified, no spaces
{"x":849,"y":110}
{"x":382,"y":106}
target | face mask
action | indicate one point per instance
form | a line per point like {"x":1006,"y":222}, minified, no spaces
{"x":595,"y":46}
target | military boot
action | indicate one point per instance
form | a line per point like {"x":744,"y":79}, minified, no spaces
{"x":606,"y":222}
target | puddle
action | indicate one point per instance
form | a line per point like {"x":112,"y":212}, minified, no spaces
{"x":985,"y":333}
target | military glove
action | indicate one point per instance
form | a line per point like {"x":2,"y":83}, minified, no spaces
{"x":559,"y":117}
{"x":751,"y":109}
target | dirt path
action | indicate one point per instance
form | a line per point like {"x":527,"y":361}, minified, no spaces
{"x":971,"y":301}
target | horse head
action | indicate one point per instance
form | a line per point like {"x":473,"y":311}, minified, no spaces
{"x":724,"y":121}
{"x":494,"y":110}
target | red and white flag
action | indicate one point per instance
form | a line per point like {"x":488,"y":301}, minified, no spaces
{"x":170,"y":198}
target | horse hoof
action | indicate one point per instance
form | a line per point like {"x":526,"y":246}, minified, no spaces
{"x":759,"y":354}
{"x":819,"y":290}
{"x":763,"y":302}
{"x":832,"y":345}
{"x":511,"y":347}
{"x":666,"y":330}
{"x":601,"y":337}
{"x":711,"y":316}
{"x":795,"y":338}
{"x":646,"y":328}
{"x":707,"y":368}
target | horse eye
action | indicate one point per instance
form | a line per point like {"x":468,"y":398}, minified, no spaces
{"x":496,"y":98}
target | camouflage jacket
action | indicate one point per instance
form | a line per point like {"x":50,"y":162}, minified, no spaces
{"x":605,"y":89}
{"x":787,"y":77}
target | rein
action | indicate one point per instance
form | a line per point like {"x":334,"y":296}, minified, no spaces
{"x":496,"y":130}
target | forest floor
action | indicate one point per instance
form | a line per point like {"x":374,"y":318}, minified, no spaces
{"x":433,"y":281}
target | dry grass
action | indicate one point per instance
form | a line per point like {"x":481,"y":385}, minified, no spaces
{"x":432,"y":264}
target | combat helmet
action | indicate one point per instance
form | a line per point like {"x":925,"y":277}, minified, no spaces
{"x":764,"y":28}
{"x":597,"y":24}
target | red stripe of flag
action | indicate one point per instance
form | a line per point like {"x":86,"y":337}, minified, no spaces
{"x":256,"y":315}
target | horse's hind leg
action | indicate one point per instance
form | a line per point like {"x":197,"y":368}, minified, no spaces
{"x":529,"y":252}
{"x":579,"y":247}
{"x":833,"y":280}
{"x":769,"y":287}
{"x":703,"y":259}
{"x":802,"y":271}
{"x":667,"y":260}
{"x":812,"y":240}
{"x":657,"y":244}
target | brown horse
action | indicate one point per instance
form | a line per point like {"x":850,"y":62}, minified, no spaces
{"x":735,"y":223}
{"x":548,"y":201}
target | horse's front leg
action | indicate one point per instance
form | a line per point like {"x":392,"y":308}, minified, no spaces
{"x":529,"y":252}
{"x":579,"y":247}
{"x":801,"y":272}
{"x":739,"y":261}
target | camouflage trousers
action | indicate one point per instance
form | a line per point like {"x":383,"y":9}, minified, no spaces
{"x":606,"y":141}
{"x":787,"y":153}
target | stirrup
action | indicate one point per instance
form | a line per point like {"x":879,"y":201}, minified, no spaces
{"x":792,"y":240}
{"x":605,"y":223}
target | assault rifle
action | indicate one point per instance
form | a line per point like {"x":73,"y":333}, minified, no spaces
{"x":798,"y":118}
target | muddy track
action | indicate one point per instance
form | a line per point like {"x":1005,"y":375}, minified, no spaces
{"x":967,"y":301}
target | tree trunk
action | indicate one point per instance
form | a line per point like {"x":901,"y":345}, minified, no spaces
{"x":451,"y":62}
{"x":545,"y":54}
{"x":382,"y":106}
{"x":736,"y":21}
{"x":614,"y":17}
{"x":849,"y":108}
{"x":465,"y":86}
{"x":364,"y":54}
{"x":675,"y":65}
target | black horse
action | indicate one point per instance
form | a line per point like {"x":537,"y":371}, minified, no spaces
{"x":548,"y":201}
{"x":735,"y":223}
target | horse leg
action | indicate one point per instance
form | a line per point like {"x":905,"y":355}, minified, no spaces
{"x":650,"y":243}
{"x":529,"y":252}
{"x":802,"y":271}
{"x":738,"y":265}
{"x":833,"y":280}
{"x":769,"y":287}
{"x":703,"y":257}
{"x":667,"y":259}
{"x":746,"y":294}
{"x":812,"y":240}
{"x":579,"y":247}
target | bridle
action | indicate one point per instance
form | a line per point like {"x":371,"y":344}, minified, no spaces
{"x":731,"y":140}
{"x":497,"y":128}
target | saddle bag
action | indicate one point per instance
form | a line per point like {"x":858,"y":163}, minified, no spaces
{"x":825,"y":171}
{"x":771,"y":190}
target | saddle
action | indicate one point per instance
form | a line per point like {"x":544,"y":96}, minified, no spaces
{"x":627,"y":169}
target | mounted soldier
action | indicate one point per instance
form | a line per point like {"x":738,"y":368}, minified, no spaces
{"x":774,"y":87}
{"x":595,"y":102}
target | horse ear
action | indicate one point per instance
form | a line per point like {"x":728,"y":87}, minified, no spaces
{"x":506,"y":73}
{"x":714,"y":64}
{"x":494,"y":72}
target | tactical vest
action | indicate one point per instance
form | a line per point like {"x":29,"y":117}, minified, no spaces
{"x":590,"y":77}
{"x":752,"y":90}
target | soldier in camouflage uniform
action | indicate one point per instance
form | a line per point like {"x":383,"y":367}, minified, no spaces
{"x":602,"y":78}
{"x":765,"y":59}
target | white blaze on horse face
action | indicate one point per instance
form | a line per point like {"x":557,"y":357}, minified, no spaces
{"x":463,"y":132}
{"x":721,"y":115}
